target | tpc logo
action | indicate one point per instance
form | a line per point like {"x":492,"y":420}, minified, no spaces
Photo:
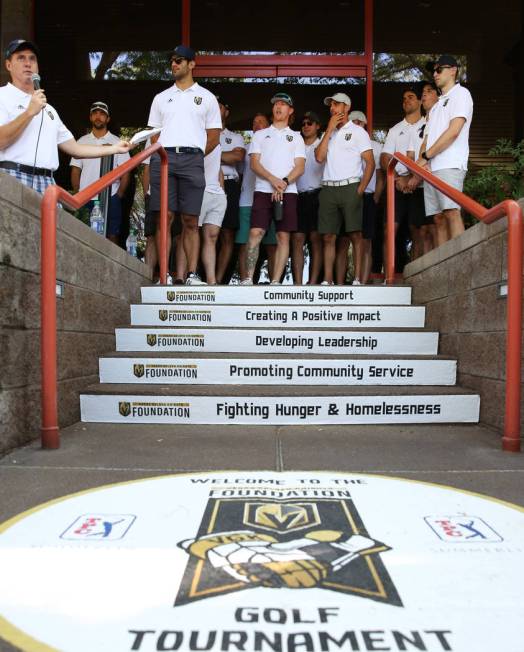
{"x":463,"y":529}
{"x":99,"y":526}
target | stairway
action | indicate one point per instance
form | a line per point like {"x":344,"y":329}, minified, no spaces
{"x":272,"y":355}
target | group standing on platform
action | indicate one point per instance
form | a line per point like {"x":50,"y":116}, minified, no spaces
{"x":231,"y":205}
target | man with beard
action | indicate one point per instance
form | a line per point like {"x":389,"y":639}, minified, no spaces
{"x":86,"y":171}
{"x":277,"y":157}
{"x":189,"y":117}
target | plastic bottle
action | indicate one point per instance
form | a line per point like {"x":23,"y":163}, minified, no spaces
{"x":131,"y":243}
{"x":96,"y":219}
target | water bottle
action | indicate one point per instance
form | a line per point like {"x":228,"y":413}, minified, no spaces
{"x":96,"y":219}
{"x":131,"y":243}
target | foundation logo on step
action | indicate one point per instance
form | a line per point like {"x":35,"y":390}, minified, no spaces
{"x":162,"y":315}
{"x":124,"y":408}
{"x":139,"y":370}
{"x":283,"y":543}
{"x":171,"y":296}
{"x":151,"y":339}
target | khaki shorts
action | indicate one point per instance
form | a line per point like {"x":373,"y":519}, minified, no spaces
{"x":340,"y":206}
{"x":435,"y":202}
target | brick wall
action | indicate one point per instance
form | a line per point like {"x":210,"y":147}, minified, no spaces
{"x":101,"y":280}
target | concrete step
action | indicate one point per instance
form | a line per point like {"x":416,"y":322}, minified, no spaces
{"x":278,"y":295}
{"x":292,"y":342}
{"x":273,"y":405}
{"x":263,"y":370}
{"x":284,"y":316}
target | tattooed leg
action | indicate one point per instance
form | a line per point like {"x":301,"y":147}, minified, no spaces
{"x":253,"y":246}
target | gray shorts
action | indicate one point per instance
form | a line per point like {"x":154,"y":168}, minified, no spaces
{"x":186,"y":182}
{"x":434,"y":201}
{"x":213,"y":209}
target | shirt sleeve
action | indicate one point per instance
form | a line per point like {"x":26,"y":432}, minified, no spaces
{"x":255,"y":144}
{"x":213,"y":119}
{"x":63,"y":134}
{"x":4,"y":114}
{"x":76,"y":163}
{"x":461,"y":106}
{"x":300,"y":147}
{"x":389,"y":145}
{"x":377,"y":151}
{"x":364,"y":141}
{"x":155,"y":116}
{"x":239,"y":141}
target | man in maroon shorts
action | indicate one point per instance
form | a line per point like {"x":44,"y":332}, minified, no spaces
{"x":277,"y":157}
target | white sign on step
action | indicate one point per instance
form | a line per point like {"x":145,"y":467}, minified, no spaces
{"x":274,"y":371}
{"x":303,"y":317}
{"x":287,"y":295}
{"x":270,"y":410}
{"x":275,"y":341}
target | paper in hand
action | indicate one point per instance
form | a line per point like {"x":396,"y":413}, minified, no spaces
{"x":144,"y":135}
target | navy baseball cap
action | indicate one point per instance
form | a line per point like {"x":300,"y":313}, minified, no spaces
{"x":183,"y":51}
{"x":446,"y":60}
{"x":20,"y":44}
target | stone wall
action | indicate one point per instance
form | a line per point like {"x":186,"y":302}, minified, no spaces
{"x":101,"y":280}
{"x":459,"y":283}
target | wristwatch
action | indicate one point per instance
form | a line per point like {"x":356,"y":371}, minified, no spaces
{"x":425,"y":156}
{"x":286,"y":180}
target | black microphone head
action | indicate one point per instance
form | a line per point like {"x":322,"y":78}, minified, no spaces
{"x":35,"y":78}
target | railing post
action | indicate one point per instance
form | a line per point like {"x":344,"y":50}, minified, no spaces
{"x":511,"y":437}
{"x":389,"y":267}
{"x":50,"y":434}
{"x":163,"y":253}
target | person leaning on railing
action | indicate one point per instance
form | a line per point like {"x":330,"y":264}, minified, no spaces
{"x":30,"y":129}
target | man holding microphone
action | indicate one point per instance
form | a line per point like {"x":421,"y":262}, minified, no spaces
{"x":30,"y":129}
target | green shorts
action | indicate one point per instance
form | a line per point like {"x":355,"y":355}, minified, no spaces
{"x":340,"y":207}
{"x":242,"y":235}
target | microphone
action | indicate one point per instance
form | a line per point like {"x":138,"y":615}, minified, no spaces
{"x":35,"y":78}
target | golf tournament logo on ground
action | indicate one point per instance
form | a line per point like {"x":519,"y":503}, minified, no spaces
{"x":264,"y":561}
{"x":318,"y":543}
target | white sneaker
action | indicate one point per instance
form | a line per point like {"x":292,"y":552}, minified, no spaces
{"x":327,"y":283}
{"x":275,"y":283}
{"x":169,"y":280}
{"x":194,"y":279}
{"x":246,"y":281}
{"x":356,"y":282}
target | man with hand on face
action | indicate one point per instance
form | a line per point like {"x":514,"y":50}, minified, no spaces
{"x":277,"y":157}
{"x":30,"y":129}
{"x":189,"y":117}
{"x":233,"y":154}
{"x":349,"y":165}
{"x":85,"y":172}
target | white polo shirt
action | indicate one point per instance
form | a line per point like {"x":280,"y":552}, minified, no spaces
{"x":249,"y":179}
{"x":398,"y":140}
{"x":278,"y":149}
{"x":377,"y":151}
{"x":212,"y":171}
{"x":13,"y":102}
{"x":417,"y":138}
{"x":91,"y":166}
{"x":230,"y":140}
{"x":184,"y":116}
{"x":312,"y":177}
{"x":345,"y":147}
{"x":456,"y":103}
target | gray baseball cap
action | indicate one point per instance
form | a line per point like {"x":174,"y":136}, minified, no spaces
{"x":337,"y":97}
{"x":358,"y":115}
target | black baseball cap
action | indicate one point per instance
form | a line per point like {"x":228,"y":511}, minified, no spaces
{"x":311,"y":115}
{"x":446,"y":60}
{"x":20,"y":44}
{"x":183,"y":51}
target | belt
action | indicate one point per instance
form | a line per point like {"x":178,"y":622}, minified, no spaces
{"x":184,"y":150}
{"x":342,"y":182}
{"x":26,"y":169}
{"x":308,"y":192}
{"x":230,"y":177}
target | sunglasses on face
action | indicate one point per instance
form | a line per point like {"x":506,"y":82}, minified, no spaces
{"x":307,"y":123}
{"x":178,"y":60}
{"x":439,"y":69}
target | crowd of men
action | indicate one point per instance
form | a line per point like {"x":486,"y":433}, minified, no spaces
{"x":286,"y":189}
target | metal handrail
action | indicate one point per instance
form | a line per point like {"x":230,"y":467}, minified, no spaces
{"x":511,"y":209}
{"x":50,"y":434}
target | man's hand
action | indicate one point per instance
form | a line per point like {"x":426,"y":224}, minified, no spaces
{"x":278,"y":184}
{"x":37,"y":103}
{"x":401,"y":183}
{"x":423,"y":163}
{"x":123,"y":146}
{"x":335,"y":121}
{"x":413,"y":182}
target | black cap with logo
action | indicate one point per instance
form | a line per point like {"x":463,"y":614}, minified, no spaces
{"x":20,"y":44}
